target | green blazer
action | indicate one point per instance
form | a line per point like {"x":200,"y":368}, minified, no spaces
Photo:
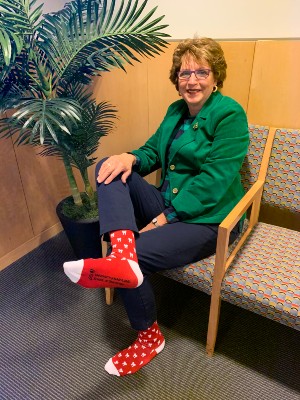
{"x":204,"y":162}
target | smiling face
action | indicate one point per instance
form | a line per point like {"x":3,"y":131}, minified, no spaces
{"x":195,"y":91}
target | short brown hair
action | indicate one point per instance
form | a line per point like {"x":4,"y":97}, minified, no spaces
{"x":201,"y":49}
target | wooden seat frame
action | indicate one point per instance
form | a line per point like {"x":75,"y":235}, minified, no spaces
{"x":222,"y":260}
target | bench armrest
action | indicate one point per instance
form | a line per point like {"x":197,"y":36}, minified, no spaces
{"x":251,"y":198}
{"x":222,"y":261}
{"x":253,"y":194}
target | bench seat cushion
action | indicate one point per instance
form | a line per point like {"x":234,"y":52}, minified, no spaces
{"x":264,"y":277}
{"x":197,"y":275}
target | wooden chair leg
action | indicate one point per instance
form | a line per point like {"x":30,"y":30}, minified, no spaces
{"x":213,"y":323}
{"x":109,"y":292}
{"x":215,"y":302}
{"x":109,"y":296}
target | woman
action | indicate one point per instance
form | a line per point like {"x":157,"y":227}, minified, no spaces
{"x":199,"y":146}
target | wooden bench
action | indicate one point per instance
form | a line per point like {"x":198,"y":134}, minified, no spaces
{"x":261,"y":270}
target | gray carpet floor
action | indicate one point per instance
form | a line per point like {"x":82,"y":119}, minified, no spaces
{"x":55,"y":338}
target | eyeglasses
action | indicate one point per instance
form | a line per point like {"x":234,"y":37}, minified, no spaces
{"x":200,"y":74}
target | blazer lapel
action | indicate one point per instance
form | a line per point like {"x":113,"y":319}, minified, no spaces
{"x":187,"y":137}
{"x":168,"y":130}
{"x":190,"y":134}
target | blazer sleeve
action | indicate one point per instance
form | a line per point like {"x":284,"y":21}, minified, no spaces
{"x":149,"y":153}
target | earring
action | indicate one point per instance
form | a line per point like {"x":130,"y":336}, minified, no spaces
{"x":215,"y":88}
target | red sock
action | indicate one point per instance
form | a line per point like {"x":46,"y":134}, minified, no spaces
{"x":120,"y":269}
{"x":148,"y":344}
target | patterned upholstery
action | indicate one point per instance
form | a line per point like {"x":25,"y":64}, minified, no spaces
{"x":251,"y":164}
{"x":260,"y":279}
{"x":264,"y":277}
{"x":198,"y":275}
{"x":282,"y":186}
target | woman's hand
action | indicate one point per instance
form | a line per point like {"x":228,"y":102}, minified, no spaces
{"x":161,"y":220}
{"x":115,"y":165}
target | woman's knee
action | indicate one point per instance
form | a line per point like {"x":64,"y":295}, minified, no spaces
{"x":98,"y":165}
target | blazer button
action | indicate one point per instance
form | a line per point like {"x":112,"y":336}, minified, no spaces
{"x":172,"y":167}
{"x":175,"y":191}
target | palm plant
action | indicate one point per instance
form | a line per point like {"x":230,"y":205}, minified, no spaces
{"x":47,"y":64}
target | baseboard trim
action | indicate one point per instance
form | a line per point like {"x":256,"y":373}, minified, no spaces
{"x":30,"y":245}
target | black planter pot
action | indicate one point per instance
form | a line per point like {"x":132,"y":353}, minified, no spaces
{"x":83,"y":235}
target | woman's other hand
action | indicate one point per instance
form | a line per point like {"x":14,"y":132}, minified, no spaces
{"x":161,"y":220}
{"x":115,"y":165}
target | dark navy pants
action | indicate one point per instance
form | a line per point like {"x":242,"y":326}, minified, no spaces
{"x":132,"y":206}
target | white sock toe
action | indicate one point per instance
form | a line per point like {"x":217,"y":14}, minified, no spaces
{"x":110,"y":368}
{"x":73,"y":270}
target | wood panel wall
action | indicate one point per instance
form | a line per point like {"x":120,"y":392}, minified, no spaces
{"x":274,"y":96}
{"x":262,"y":76}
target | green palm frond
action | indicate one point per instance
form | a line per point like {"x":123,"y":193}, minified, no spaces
{"x":88,"y":37}
{"x":10,"y":45}
{"x":42,"y":118}
{"x":19,"y":23}
{"x":97,"y":121}
{"x":20,"y":16}
{"x":17,"y":83}
{"x":47,"y":64}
